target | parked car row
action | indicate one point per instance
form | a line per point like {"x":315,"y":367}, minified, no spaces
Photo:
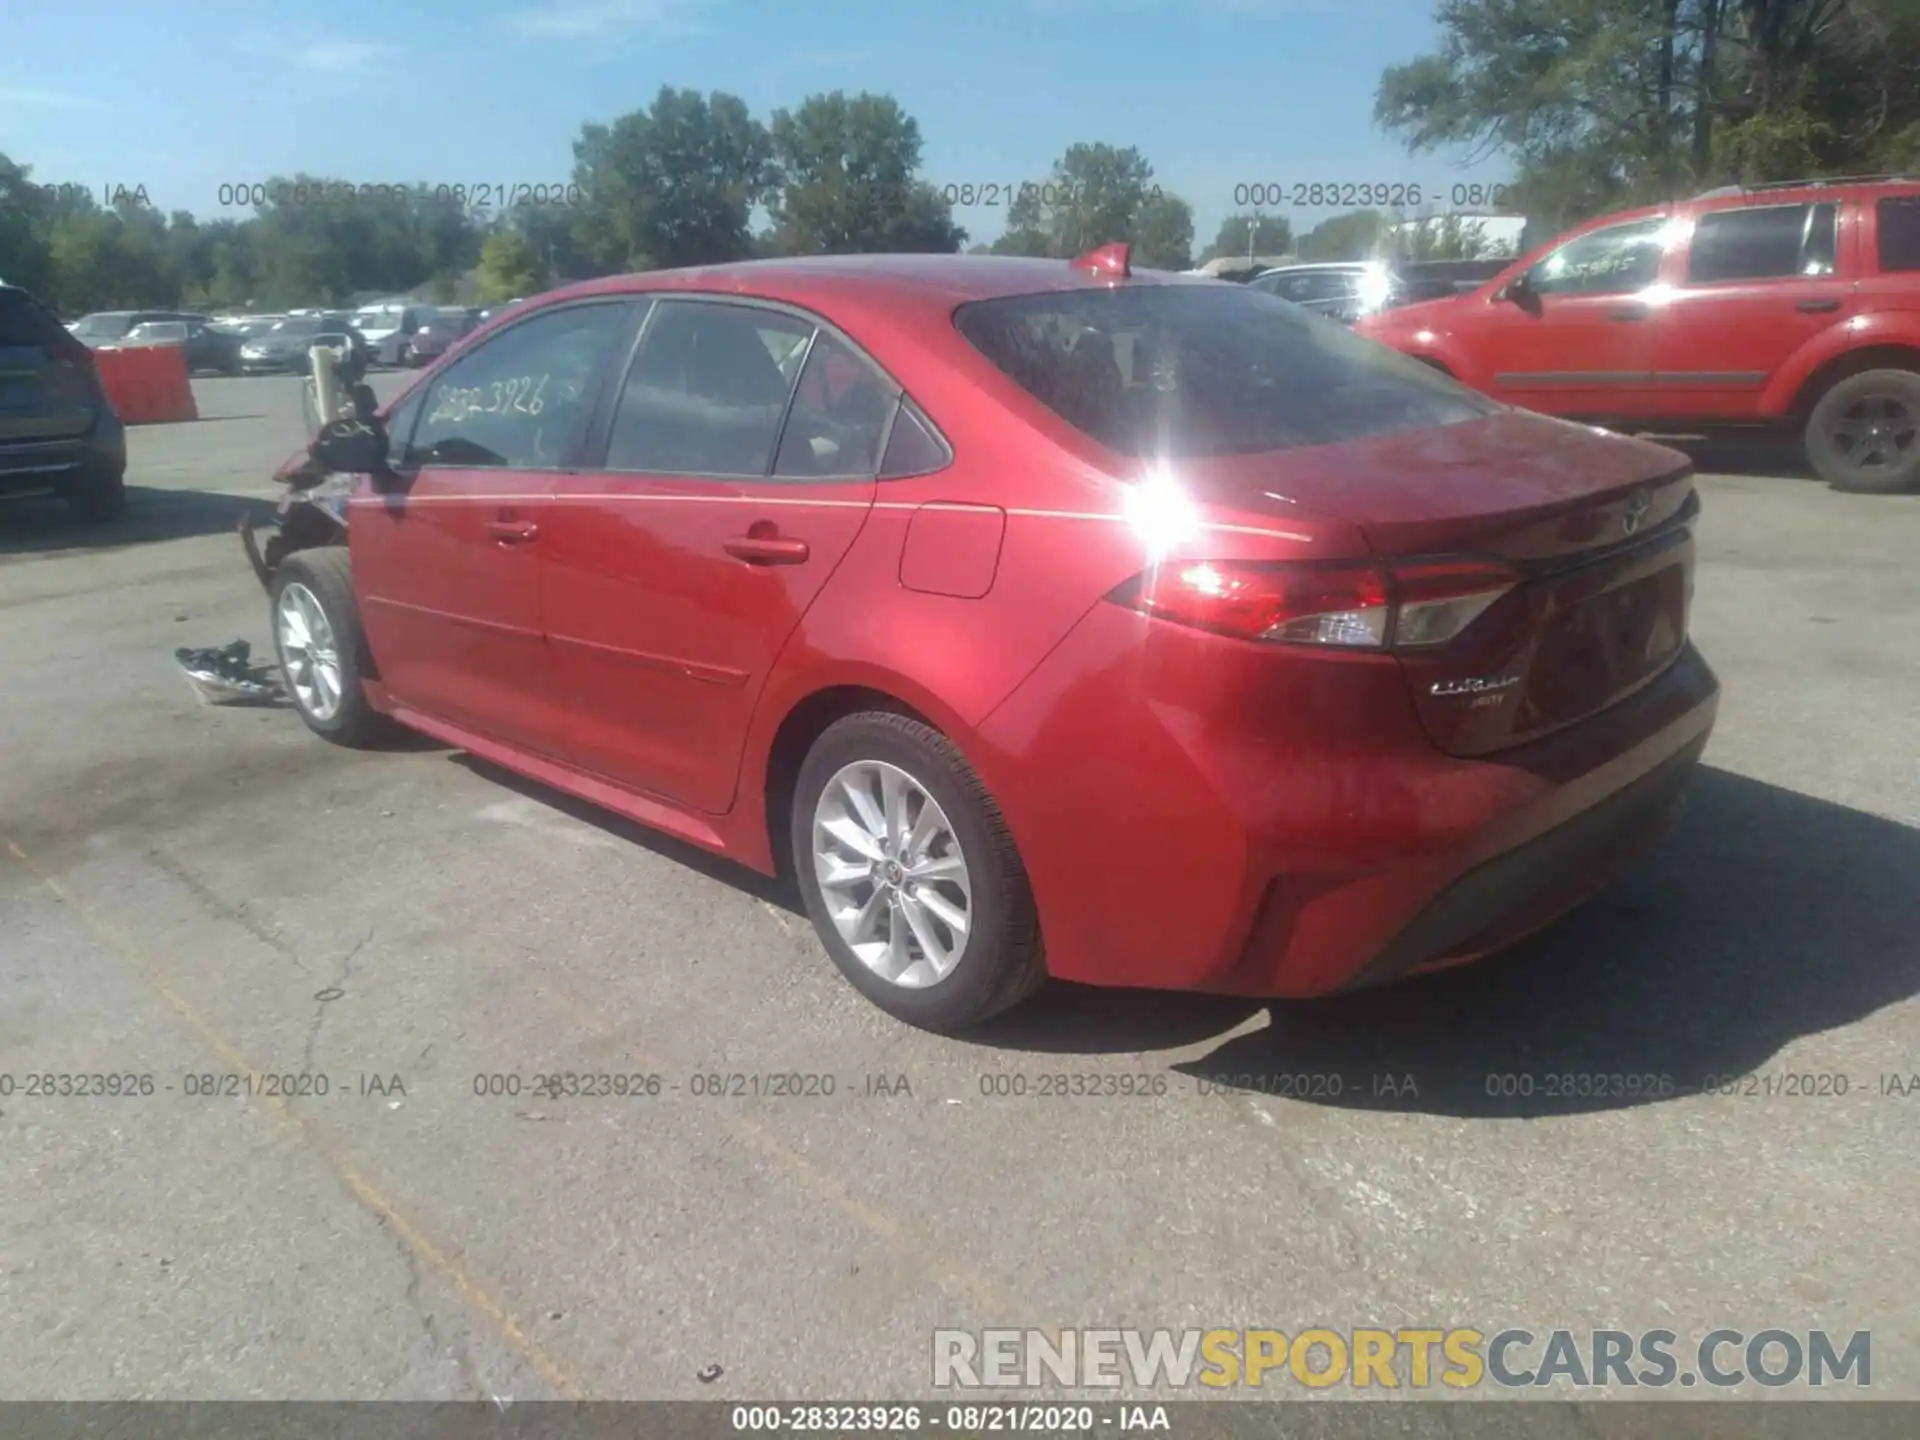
{"x":391,"y":335}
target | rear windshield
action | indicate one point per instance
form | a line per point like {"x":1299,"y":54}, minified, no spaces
{"x":24,"y":323}
{"x":1196,"y":370}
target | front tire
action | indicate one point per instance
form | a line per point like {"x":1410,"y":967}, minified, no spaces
{"x":911,"y":876}
{"x":1864,"y":434}
{"x":321,"y":647}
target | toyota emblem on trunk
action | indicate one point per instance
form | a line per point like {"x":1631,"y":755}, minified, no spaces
{"x":1636,"y":511}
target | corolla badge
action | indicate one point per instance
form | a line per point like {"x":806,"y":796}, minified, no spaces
{"x":1636,"y":512}
{"x":1477,"y":685}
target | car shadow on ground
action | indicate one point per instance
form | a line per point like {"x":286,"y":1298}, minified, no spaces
{"x":1766,"y":916}
{"x":44,"y":524}
{"x":704,"y":862}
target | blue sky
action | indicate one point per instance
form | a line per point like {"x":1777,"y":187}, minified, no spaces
{"x":181,"y":99}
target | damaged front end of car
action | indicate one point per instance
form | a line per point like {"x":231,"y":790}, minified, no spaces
{"x":319,"y":481}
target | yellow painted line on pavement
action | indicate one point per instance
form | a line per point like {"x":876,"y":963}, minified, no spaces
{"x":357,"y":1184}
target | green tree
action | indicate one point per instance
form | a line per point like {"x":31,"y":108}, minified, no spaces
{"x":1605,"y":103}
{"x":1356,"y":235}
{"x":1162,"y":233}
{"x":508,"y":267}
{"x":1442,"y":237}
{"x":848,"y":180}
{"x":1244,"y":235}
{"x":25,"y":257}
{"x":674,"y":184}
{"x":1097,"y":194}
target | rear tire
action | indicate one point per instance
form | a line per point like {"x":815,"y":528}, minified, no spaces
{"x":999,"y":961}
{"x":1863,"y":435}
{"x":323,"y":662}
{"x":98,"y":495}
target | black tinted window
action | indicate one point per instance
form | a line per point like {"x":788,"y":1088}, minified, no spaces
{"x":840,"y":411}
{"x":1193,"y":370}
{"x":24,"y":322}
{"x":913,"y":448}
{"x":518,"y":401}
{"x":1606,"y":262}
{"x":1899,"y":227}
{"x":707,"y":392}
{"x":1769,"y":242}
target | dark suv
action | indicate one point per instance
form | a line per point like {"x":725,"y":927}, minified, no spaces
{"x":58,"y":433}
{"x":1792,"y":307}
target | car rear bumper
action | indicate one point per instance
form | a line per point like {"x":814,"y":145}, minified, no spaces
{"x":1197,"y":815}
{"x":34,"y":466}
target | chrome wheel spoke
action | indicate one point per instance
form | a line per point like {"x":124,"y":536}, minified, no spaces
{"x":886,"y":855}
{"x":944,"y":910}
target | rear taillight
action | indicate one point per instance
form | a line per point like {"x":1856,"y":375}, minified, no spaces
{"x":1397,"y":604}
{"x":74,"y":373}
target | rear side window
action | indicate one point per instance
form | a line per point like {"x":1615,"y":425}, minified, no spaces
{"x":839,"y":413}
{"x":24,"y":322}
{"x":1899,"y":229}
{"x":914,"y":447}
{"x":1763,"y":243}
{"x":707,"y":392}
{"x":1197,"y":370}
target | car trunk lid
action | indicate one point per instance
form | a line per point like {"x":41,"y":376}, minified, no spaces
{"x":1593,"y":530}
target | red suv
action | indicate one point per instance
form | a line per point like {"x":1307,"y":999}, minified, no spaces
{"x":1790,"y":306}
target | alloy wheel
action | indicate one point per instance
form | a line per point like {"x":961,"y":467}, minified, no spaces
{"x":1874,"y":433}
{"x":309,"y":654}
{"x":892,"y":873}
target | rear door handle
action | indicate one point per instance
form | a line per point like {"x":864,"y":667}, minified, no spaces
{"x":767,"y":549}
{"x":1817,"y":307}
{"x":513,"y":532}
{"x":1628,"y":312}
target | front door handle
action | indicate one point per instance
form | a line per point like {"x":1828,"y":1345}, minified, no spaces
{"x":1817,"y":307}
{"x":767,"y":549}
{"x":513,"y":532}
{"x":1629,"y":312}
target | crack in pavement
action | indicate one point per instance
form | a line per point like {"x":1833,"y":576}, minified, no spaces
{"x":456,"y":1351}
{"x":327,"y":996}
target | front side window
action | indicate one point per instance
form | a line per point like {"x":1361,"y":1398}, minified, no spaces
{"x":708,"y":390}
{"x":519,"y":400}
{"x":1766,"y":242}
{"x":1197,"y":370}
{"x":1613,"y":261}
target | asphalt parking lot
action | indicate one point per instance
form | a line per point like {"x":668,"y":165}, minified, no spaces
{"x":190,"y":891}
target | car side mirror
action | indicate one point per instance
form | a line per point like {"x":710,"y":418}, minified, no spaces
{"x":1521,"y":292}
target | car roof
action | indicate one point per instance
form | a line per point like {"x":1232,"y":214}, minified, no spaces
{"x":935,"y":279}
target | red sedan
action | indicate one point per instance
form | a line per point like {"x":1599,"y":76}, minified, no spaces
{"x":1040,"y":618}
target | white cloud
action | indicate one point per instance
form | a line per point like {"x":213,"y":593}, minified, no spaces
{"x":31,"y":98}
{"x":601,"y":19}
{"x":323,"y":57}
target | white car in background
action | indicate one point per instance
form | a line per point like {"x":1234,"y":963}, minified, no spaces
{"x":389,"y":330}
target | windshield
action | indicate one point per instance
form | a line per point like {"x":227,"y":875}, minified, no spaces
{"x":377,"y":320}
{"x":297,"y":326}
{"x":1193,"y":370}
